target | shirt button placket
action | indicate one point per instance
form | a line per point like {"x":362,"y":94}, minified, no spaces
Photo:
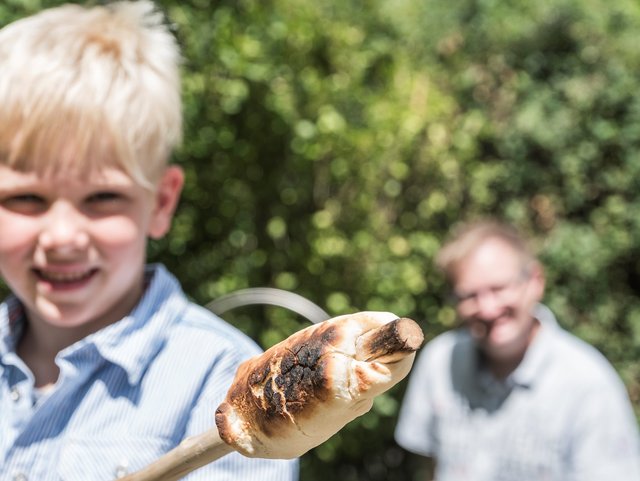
{"x":15,"y":394}
{"x":122,"y":469}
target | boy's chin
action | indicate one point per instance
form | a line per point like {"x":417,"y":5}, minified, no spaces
{"x":63,"y":317}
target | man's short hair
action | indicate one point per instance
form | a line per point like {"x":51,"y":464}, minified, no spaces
{"x":466,"y":237}
{"x":87,"y":88}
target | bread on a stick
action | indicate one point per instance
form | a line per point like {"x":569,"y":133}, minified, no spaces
{"x":275,"y":405}
{"x":303,"y":390}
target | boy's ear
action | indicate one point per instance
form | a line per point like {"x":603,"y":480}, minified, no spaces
{"x":166,"y":200}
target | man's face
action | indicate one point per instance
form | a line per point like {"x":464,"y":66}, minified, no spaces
{"x":72,"y":249}
{"x":496,"y":294}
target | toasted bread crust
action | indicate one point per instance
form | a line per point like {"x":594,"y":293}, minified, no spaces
{"x":282,"y":382}
{"x":303,"y":389}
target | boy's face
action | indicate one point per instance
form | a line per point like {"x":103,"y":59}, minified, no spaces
{"x":72,"y":249}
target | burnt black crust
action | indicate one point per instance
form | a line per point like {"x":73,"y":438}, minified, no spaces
{"x":302,"y":376}
{"x":287,"y":380}
{"x":388,"y":340}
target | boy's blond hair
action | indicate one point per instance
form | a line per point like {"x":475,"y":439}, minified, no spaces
{"x":469,"y":236}
{"x":87,"y":88}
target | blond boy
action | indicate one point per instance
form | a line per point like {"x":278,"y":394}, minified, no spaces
{"x":104,"y":363}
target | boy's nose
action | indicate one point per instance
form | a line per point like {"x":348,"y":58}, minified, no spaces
{"x":64,"y":229}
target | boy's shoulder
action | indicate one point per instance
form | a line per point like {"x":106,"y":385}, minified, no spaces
{"x":199,"y":322}
{"x":166,"y":312}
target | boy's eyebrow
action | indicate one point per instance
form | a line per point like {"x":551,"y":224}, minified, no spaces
{"x":20,"y":184}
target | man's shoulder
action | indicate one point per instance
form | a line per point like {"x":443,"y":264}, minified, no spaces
{"x":569,"y":349}
{"x":581,"y":362}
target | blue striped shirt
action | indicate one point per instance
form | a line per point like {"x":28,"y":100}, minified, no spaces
{"x":126,"y":394}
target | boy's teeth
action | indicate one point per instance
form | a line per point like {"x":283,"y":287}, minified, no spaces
{"x":64,"y":276}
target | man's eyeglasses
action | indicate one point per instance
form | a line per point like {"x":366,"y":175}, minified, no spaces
{"x":467,"y":301}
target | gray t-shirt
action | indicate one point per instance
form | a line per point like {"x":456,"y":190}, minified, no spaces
{"x":562,"y":415}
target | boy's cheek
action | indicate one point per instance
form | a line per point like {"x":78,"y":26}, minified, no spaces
{"x":23,"y":233}
{"x":116,"y":231}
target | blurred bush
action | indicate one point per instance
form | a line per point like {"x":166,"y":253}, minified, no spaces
{"x":330,"y":146}
{"x":545,"y":133}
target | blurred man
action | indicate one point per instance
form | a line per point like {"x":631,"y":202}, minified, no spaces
{"x":510,"y":395}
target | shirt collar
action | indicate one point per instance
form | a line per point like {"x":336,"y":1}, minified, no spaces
{"x":534,"y":362}
{"x":133,"y":342}
{"x":11,"y":324}
{"x":130,"y":343}
{"x":539,"y":351}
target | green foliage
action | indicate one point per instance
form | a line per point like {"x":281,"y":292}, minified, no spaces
{"x":551,"y":90}
{"x":330,"y":146}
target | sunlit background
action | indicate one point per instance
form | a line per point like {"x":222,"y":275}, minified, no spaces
{"x":330,"y":145}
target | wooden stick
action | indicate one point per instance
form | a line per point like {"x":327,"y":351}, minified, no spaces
{"x":191,"y":454}
{"x":390,"y":342}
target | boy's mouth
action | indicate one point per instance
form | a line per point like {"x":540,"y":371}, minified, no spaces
{"x":64,"y":278}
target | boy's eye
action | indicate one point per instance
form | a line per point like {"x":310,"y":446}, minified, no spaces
{"x":100,"y":197}
{"x":35,"y":198}
{"x":105,"y":202}
{"x":25,"y":203}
